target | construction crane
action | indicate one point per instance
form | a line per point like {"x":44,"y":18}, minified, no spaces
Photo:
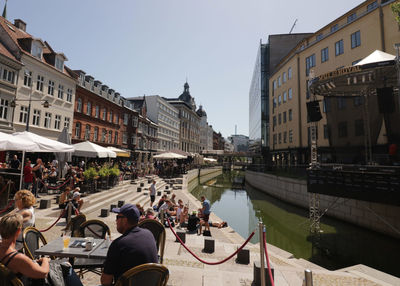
{"x":294,"y":24}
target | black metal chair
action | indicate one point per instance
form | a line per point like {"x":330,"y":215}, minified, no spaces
{"x":158,"y":231}
{"x":96,"y":229}
{"x":32,"y":239}
{"x":75,"y":223}
{"x":150,"y":274}
{"x":8,"y":278}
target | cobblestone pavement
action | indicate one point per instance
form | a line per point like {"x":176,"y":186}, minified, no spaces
{"x":185,"y":269}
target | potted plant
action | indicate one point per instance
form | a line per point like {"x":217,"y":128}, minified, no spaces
{"x":113,"y":175}
{"x":90,"y":176}
{"x":104,"y":172}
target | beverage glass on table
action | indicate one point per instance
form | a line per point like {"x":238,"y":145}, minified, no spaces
{"x":66,"y":239}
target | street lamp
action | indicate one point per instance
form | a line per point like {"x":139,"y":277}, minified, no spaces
{"x":46,"y":104}
{"x":397,"y":47}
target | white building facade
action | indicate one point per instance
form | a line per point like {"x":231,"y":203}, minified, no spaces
{"x":167,"y":118}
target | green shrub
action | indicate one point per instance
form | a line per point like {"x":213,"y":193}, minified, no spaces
{"x":396,"y":10}
{"x":104,"y":172}
{"x":114,"y":171}
{"x":90,"y":173}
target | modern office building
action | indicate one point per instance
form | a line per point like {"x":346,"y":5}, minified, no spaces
{"x":326,"y":53}
{"x":44,"y":81}
{"x":268,"y":56}
{"x":167,"y":118}
{"x":240,"y":142}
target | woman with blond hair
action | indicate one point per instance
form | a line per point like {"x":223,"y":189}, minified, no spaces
{"x":24,"y":201}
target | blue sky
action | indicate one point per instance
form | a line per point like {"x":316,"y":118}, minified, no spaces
{"x":151,"y":46}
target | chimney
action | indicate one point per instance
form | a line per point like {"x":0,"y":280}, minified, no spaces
{"x":20,"y":24}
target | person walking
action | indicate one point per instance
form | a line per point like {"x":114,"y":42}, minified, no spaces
{"x":152,"y":193}
{"x":205,"y":212}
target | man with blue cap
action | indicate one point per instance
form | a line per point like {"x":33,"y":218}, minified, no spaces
{"x":134,"y":247}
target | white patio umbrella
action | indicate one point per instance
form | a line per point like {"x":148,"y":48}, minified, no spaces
{"x":42,"y":144}
{"x":9,"y":142}
{"x":169,"y":155}
{"x":89,"y":149}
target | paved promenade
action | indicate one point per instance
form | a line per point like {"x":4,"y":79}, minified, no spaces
{"x":186,"y":270}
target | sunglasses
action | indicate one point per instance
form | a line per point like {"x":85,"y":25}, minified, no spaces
{"x":119,"y":216}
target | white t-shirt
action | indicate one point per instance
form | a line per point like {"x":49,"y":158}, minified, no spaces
{"x":153,"y":190}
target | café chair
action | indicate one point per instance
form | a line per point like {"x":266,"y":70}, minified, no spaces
{"x":149,"y":274}
{"x":8,"y":278}
{"x":158,"y":231}
{"x":74,"y":224}
{"x":32,"y":239}
{"x":96,"y":229}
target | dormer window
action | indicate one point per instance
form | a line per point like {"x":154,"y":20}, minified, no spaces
{"x":59,"y":64}
{"x":37,"y":49}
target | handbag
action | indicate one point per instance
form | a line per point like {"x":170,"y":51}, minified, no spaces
{"x":58,"y":269}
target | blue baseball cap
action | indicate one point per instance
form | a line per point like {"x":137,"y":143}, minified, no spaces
{"x":129,"y":211}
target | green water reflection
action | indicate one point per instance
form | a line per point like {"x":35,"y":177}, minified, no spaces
{"x":341,"y":244}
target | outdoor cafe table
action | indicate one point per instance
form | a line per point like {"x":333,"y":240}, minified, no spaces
{"x":56,"y":248}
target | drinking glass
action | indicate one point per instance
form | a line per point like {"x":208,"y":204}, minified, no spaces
{"x":66,"y":239}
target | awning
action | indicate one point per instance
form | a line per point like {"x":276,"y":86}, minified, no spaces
{"x":89,"y":149}
{"x":169,"y":155}
{"x":9,"y":142}
{"x":42,"y":144}
{"x":120,"y":152}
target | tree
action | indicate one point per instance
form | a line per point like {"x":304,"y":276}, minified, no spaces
{"x":396,"y":10}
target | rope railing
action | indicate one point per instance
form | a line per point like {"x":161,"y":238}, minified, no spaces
{"x":206,"y":262}
{"x":267,"y":258}
{"x":10,"y":203}
{"x":61,"y":215}
{"x":56,"y":187}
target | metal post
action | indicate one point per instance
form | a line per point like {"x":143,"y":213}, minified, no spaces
{"x":397,"y":47}
{"x":308,"y":277}
{"x":29,"y":109}
{"x":262,"y":263}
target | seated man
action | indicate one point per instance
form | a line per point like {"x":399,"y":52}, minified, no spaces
{"x":76,"y":200}
{"x":64,"y":198}
{"x":193,"y":222}
{"x":134,"y":247}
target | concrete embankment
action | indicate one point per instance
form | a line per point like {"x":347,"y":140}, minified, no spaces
{"x":374,"y":216}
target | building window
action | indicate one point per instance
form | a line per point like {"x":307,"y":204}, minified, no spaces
{"x":284,"y":117}
{"x":341,"y":102}
{"x":342,"y":129}
{"x":284,"y":96}
{"x":290,"y":115}
{"x":36,"y":117}
{"x":351,"y":17}
{"x":116,"y":119}
{"x":96,"y":133}
{"x":97,"y":111}
{"x":284,"y":77}
{"x":279,"y":81}
{"x":104,"y":113}
{"x":359,"y":127}
{"x":372,"y":6}
{"x":60,"y":91}
{"x":23,"y":114}
{"x":50,"y":88}
{"x":69,"y":95}
{"x":124,"y":138}
{"x":355,"y":40}
{"x":319,"y":37}
{"x":324,"y":55}
{"x":57,"y":122}
{"x":274,"y":121}
{"x":126,"y":119}
{"x":89,"y":108}
{"x":274,"y":138}
{"x":111,"y":116}
{"x":326,"y":131}
{"x":279,"y":119}
{"x":327,"y":105}
{"x":39,"y":83}
{"x":79,"y":105}
{"x":290,"y":136}
{"x":27,"y":78}
{"x":310,"y":63}
{"x":110,"y":136}
{"x":47,"y":119}
{"x":279,"y":99}
{"x":116,"y":137}
{"x":59,"y":64}
{"x":3,"y":108}
{"x":280,"y":138}
{"x":78,"y":130}
{"x":36,"y":50}
{"x":87,"y":132}
{"x":8,"y":76}
{"x":334,"y":28}
{"x":274,"y":84}
{"x":290,"y":93}
{"x":339,"y":49}
{"x":103,"y":135}
{"x":289,"y":73}
{"x":284,"y":137}
{"x":67,"y":120}
{"x":358,"y":100}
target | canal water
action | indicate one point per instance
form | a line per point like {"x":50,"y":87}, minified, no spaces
{"x":340,"y":245}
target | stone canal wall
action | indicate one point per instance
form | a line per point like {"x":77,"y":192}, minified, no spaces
{"x":374,"y":216}
{"x":191,"y":178}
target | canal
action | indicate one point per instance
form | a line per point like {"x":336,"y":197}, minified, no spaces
{"x":340,"y":245}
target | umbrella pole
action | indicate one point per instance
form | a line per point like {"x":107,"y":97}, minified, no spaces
{"x":22,"y":169}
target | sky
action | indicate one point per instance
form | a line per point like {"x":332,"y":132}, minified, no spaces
{"x":148,"y":47}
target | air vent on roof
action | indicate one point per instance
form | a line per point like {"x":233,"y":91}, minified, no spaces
{"x":20,"y":24}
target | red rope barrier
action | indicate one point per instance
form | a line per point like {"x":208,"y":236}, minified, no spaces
{"x":7,"y":207}
{"x":57,"y":187}
{"x":267,"y":258}
{"x":205,"y":262}
{"x":61,"y":215}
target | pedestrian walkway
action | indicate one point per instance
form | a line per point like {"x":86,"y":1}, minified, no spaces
{"x":185,"y":269}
